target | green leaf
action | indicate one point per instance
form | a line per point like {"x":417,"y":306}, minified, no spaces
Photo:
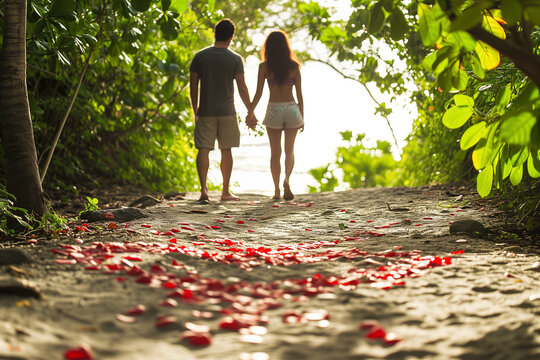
{"x":429,"y":23}
{"x":376,"y":19}
{"x":443,"y":56}
{"x":429,"y":61}
{"x":165,"y":4}
{"x":477,"y":67}
{"x":460,"y":80}
{"x":533,"y":167}
{"x":528,"y":95}
{"x":179,"y":6}
{"x":463,"y":39}
{"x":506,"y":164}
{"x":516,"y":175}
{"x":488,"y":56}
{"x":463,"y":100}
{"x":516,"y":127}
{"x":63,"y":9}
{"x":141,"y":5}
{"x":399,"y":28}
{"x":456,"y":116}
{"x":169,"y":29}
{"x":211,"y":4}
{"x":502,"y":100}
{"x":511,"y":10}
{"x":484,"y":149}
{"x":472,"y":135}
{"x":484,"y":181}
{"x":468,"y":19}
{"x":518,"y":155}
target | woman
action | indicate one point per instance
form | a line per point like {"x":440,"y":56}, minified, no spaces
{"x":282,"y":71}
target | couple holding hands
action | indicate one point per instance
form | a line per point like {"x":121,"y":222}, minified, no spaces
{"x":216,"y":68}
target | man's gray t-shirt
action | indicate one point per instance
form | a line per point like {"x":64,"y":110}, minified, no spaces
{"x":217,"y":68}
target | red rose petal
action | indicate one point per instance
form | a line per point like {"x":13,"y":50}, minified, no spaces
{"x":162,"y":321}
{"x":81,"y":352}
{"x":136,"y":310}
{"x":197,"y":338}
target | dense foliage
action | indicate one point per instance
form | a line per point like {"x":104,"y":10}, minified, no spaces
{"x":131,"y":119}
{"x":360,"y":166}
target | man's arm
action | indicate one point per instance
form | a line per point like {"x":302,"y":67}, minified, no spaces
{"x":194,"y":92}
{"x":243,"y":90}
{"x":244,"y":95}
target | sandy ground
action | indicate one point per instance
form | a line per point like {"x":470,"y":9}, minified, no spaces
{"x":329,"y":276}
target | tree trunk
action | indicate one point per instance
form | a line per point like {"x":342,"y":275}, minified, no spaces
{"x":20,"y":158}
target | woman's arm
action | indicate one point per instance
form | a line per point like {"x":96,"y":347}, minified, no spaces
{"x":260,"y":84}
{"x":299,"y":97}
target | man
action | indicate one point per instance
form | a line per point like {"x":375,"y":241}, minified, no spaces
{"x":216,"y":67}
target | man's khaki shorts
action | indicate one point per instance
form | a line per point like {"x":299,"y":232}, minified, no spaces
{"x":223,"y":128}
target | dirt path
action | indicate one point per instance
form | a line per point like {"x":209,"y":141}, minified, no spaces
{"x":331,"y":276}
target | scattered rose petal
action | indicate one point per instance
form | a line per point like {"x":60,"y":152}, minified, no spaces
{"x":136,"y":310}
{"x":457,"y":252}
{"x":240,"y":222}
{"x":197,"y":338}
{"x":108,"y":216}
{"x":146,"y":226}
{"x":81,"y":352}
{"x":126,"y":319}
{"x":376,"y":333}
{"x":461,"y":241}
{"x":66,"y":261}
{"x":168,"y":303}
{"x":391,"y":339}
{"x":197,"y":328}
{"x":162,"y":321}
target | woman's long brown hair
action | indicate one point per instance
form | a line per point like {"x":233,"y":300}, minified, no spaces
{"x":279,"y":56}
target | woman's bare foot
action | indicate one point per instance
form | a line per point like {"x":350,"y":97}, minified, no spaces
{"x":277,"y":195}
{"x":229,"y":197}
{"x":287,"y":194}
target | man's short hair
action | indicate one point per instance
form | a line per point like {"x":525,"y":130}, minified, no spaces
{"x":224,"y":30}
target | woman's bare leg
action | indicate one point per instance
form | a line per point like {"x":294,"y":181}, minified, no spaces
{"x":290,"y":136}
{"x":274,"y":135}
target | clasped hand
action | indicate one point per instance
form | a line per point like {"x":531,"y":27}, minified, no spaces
{"x":251,"y":121}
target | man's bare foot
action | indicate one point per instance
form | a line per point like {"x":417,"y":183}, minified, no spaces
{"x":277,"y":195}
{"x":287,"y":194}
{"x":204,"y":199}
{"x":229,"y":197}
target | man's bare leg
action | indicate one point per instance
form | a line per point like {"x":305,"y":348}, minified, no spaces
{"x":226,"y":170}
{"x":202,"y":169}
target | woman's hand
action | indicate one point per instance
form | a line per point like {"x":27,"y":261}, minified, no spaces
{"x":251,"y":121}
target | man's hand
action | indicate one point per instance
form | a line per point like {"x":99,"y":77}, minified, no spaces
{"x":251,"y":121}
